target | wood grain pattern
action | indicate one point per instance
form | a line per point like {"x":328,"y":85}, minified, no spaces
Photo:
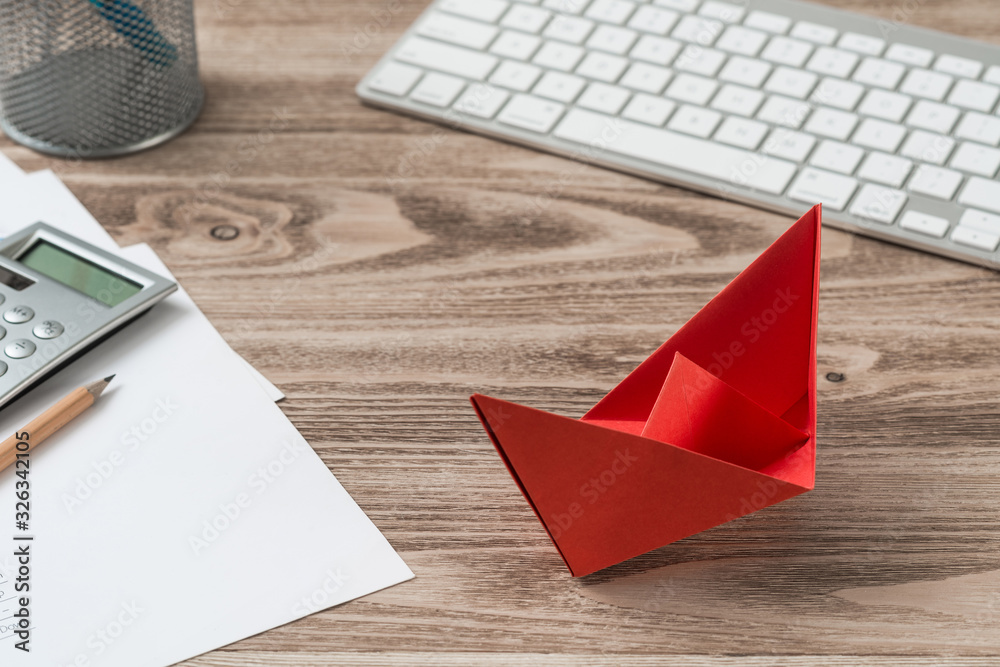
{"x":387,"y":268}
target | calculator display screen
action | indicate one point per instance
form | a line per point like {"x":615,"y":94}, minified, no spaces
{"x":82,"y":275}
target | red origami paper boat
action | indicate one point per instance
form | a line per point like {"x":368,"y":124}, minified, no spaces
{"x":719,"y":422}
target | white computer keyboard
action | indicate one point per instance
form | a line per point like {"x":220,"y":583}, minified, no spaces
{"x":775,"y":103}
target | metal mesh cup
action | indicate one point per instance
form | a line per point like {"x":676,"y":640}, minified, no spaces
{"x":93,"y":78}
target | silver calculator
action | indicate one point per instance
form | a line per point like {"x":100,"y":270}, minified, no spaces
{"x":60,"y":295}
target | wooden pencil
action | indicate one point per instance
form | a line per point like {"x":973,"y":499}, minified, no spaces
{"x":50,"y":421}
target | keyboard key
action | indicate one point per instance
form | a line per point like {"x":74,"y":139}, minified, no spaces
{"x":722,"y":11}
{"x":526,"y":18}
{"x":910,"y":55}
{"x":935,"y":182}
{"x":572,"y":29}
{"x":879,"y":73}
{"x":531,"y":113}
{"x":835,"y":156}
{"x":974,"y":95}
{"x":933,"y":116}
{"x":395,"y":79}
{"x":839,"y":94}
{"x":454,"y":30}
{"x":813,"y":32}
{"x":559,"y":86}
{"x":928,"y":147}
{"x":647,"y":78}
{"x":992,"y":75}
{"x":787,"y":51}
{"x":516,"y":45}
{"x":981,"y":193}
{"x":656,"y":50}
{"x":481,"y":10}
{"x":604,"y":98}
{"x":785,"y":111}
{"x":879,"y":135}
{"x":610,"y":11}
{"x":481,"y":100}
{"x":697,"y":30}
{"x":980,"y":128}
{"x":885,"y":169}
{"x":515,"y":76}
{"x":741,"y":132}
{"x":832,"y":123}
{"x":957,"y":66}
{"x":685,"y":6}
{"x":602,"y":66}
{"x":692,"y":89}
{"x":926,"y":84}
{"x":445,"y":58}
{"x":981,"y":220}
{"x":976,"y":159}
{"x":438,"y":90}
{"x":768,"y":22}
{"x":612,"y":39}
{"x":655,"y":20}
{"x":789,"y":145}
{"x":695,"y":121}
{"x":878,"y":203}
{"x":922,"y":223}
{"x":832,"y":62}
{"x":740,"y":40}
{"x":869,"y":46}
{"x":566,"y":7}
{"x":678,"y":151}
{"x":738,"y":100}
{"x":885,"y":105}
{"x":648,"y":109}
{"x":745,"y":71}
{"x":817,"y":186}
{"x":700,"y":60}
{"x":791,"y":82}
{"x":562,"y":57}
{"x":975,"y":239}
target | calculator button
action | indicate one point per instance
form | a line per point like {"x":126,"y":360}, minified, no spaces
{"x":19,"y":349}
{"x":19,"y":314}
{"x":3,"y":368}
{"x":2,"y":299}
{"x":3,"y":332}
{"x":48,"y":329}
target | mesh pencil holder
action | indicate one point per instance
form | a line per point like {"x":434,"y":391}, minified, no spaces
{"x":95,"y":78}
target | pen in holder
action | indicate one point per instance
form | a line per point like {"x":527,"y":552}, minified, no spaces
{"x":96,"y":78}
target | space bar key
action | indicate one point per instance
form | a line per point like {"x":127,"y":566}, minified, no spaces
{"x":679,"y":151}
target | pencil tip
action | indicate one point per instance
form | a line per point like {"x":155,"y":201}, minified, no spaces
{"x":110,"y":378}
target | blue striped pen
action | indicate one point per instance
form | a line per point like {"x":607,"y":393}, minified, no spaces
{"x":132,"y":23}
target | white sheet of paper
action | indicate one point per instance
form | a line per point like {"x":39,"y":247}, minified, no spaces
{"x":182,"y":512}
{"x":41,"y":196}
{"x":8,"y":168}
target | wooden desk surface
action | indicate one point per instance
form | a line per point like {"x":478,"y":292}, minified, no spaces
{"x":382,"y":274}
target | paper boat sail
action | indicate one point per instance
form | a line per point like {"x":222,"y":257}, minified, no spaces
{"x":719,"y":422}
